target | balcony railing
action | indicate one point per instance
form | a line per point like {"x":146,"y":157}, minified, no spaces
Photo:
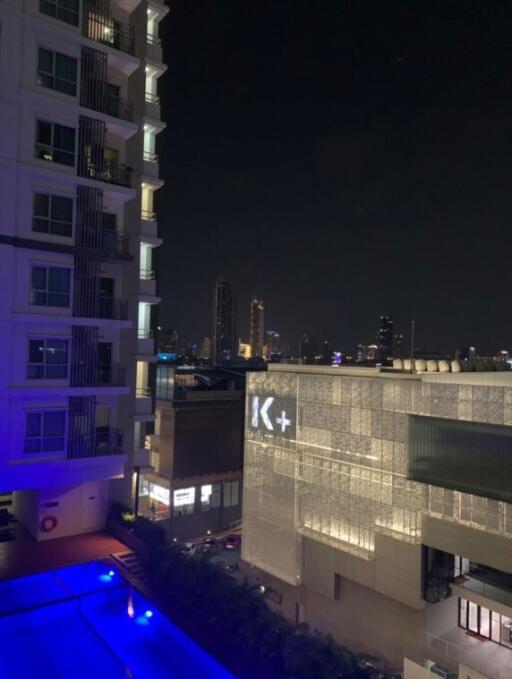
{"x":109,"y":31}
{"x":108,"y":171}
{"x":153,"y":40}
{"x":143,"y":392}
{"x":147,"y":275}
{"x":112,"y":375}
{"x":152,"y":98}
{"x":108,"y":442}
{"x":144,"y":333}
{"x":92,"y":96}
{"x":148,"y":215}
{"x":114,"y":242}
{"x":114,"y":308}
{"x":150,"y":157}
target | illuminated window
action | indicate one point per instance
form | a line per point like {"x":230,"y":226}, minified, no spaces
{"x":47,"y":359}
{"x":210,"y":497}
{"x":55,"y":143}
{"x":45,"y":432}
{"x":183,"y":501}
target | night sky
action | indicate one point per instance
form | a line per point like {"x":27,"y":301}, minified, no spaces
{"x":342,"y":159}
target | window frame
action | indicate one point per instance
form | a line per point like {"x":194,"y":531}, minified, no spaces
{"x":41,"y":437}
{"x":61,"y":12}
{"x":42,"y":147}
{"x":44,"y":365}
{"x":48,"y":218}
{"x":47,"y":291}
{"x":53,"y":77}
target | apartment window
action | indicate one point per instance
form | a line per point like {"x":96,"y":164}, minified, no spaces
{"x":45,"y":432}
{"x":47,"y":359}
{"x":210,"y":496}
{"x":50,"y":286}
{"x":52,"y":214}
{"x":65,"y":10}
{"x":231,"y":490}
{"x":57,"y":71}
{"x":55,"y":143}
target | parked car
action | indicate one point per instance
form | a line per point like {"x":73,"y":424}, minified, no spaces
{"x":209,"y":544}
{"x":232,"y":541}
{"x":189,"y":548}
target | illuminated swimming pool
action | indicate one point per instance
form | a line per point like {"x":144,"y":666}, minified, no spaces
{"x":86,"y":621}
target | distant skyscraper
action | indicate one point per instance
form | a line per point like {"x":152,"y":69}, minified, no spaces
{"x":168,"y":342}
{"x":385,"y":338}
{"x":272,"y":343}
{"x":205,"y":350}
{"x":257,"y":325}
{"x":308,"y":349}
{"x":224,"y":338}
{"x":398,"y":346}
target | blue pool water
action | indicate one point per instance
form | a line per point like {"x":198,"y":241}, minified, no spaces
{"x":86,"y":621}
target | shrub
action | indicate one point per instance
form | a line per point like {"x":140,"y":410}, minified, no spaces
{"x":241,"y":612}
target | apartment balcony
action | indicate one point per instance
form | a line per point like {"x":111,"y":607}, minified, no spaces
{"x":108,"y":31}
{"x":145,"y":343}
{"x":141,"y":453}
{"x":93,"y":96}
{"x":147,"y":283}
{"x":102,"y":375}
{"x":143,"y":402}
{"x":154,"y":48}
{"x":114,"y":244}
{"x":108,"y":442}
{"x":150,"y":164}
{"x":108,"y":171}
{"x":114,"y":308}
{"x":152,"y":108}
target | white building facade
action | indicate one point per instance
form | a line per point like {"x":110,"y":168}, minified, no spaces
{"x":379,"y":504}
{"x":78,"y":172}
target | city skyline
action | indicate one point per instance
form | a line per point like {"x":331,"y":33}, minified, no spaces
{"x":365,"y":161}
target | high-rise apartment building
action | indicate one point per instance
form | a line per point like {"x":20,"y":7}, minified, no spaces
{"x":385,"y":338}
{"x":379,"y":504}
{"x":78,"y":172}
{"x":224,"y":338}
{"x":257,"y":326}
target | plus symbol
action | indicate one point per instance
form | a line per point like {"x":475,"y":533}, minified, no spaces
{"x":283,"y":421}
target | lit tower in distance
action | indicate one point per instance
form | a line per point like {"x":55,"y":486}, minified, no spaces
{"x":385,"y":338}
{"x":224,"y":339}
{"x":256,"y":323}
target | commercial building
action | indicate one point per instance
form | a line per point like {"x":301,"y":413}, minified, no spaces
{"x":379,"y":504}
{"x":257,"y":326}
{"x":197,"y":451}
{"x":78,"y":171}
{"x":224,"y":311}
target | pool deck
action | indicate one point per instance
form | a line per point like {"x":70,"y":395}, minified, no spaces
{"x":24,"y":555}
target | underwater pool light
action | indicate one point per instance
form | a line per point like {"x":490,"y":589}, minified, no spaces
{"x":148,"y":614}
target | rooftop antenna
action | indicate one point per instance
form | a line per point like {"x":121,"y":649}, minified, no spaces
{"x":412,"y":346}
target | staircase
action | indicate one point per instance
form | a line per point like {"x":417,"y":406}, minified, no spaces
{"x":131,"y":563}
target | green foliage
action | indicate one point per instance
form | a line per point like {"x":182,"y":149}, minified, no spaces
{"x":153,"y":534}
{"x":240,"y":611}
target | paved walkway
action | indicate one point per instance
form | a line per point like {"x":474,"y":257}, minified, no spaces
{"x":24,"y":555}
